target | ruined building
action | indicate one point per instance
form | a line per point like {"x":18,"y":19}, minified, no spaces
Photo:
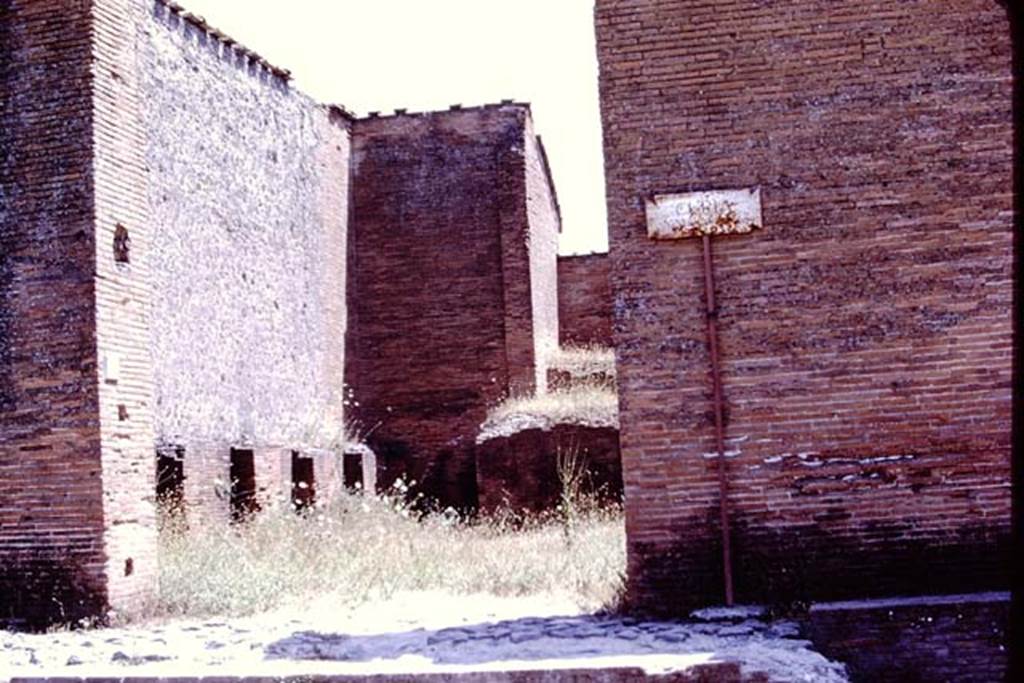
{"x":194,"y":255}
{"x":585,"y":302}
{"x":864,"y":154}
{"x":808,"y":287}
{"x":454,"y":305}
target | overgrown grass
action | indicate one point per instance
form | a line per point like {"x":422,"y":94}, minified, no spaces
{"x":592,"y":404}
{"x":367,"y":548}
{"x":588,"y":396}
{"x":584,"y":361}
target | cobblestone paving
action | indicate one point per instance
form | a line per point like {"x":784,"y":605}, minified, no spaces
{"x":370,"y":638}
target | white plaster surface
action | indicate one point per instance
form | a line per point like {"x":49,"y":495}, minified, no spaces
{"x":714,"y":212}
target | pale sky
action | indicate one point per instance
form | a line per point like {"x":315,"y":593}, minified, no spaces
{"x":379,"y":55}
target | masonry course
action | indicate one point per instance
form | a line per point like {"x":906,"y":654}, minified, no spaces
{"x":76,"y":446}
{"x":453,"y":289}
{"x":174,"y":289}
{"x":584,"y":300}
{"x":865,"y":332}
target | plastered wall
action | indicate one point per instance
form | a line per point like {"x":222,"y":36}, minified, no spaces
{"x":545,"y":223}
{"x":249,"y":261}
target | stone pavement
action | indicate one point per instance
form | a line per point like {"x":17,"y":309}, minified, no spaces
{"x":452,"y":640}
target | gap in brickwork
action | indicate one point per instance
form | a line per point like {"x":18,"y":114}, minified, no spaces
{"x":242,"y":471}
{"x":170,"y":476}
{"x":352,"y":470}
{"x":122,"y":245}
{"x":303,"y":481}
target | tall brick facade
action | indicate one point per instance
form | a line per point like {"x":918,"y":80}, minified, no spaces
{"x":452,"y":290}
{"x":173,"y":222}
{"x":584,"y":300}
{"x":77,"y":529}
{"x":173,"y":290}
{"x":865,"y":331}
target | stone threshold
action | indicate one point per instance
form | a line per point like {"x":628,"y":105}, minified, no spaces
{"x":705,"y":672}
{"x":916,"y":601}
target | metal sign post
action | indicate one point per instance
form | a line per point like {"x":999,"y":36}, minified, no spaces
{"x":711,"y":316}
{"x":705,"y":214}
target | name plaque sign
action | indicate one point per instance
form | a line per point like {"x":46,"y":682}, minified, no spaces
{"x":695,"y":214}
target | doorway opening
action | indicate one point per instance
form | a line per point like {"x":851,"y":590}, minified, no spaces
{"x":303,"y":481}
{"x":243,"y":484}
{"x":170,"y":479}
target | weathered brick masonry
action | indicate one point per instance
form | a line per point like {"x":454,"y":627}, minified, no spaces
{"x":584,"y":299}
{"x":520,"y":471}
{"x":249,"y":260}
{"x":452,"y":284}
{"x":173,"y":221}
{"x":173,"y":290}
{"x":935,"y":638}
{"x":865,"y":331}
{"x":76,"y":452}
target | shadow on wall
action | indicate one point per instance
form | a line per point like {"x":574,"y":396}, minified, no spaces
{"x":783,"y":569}
{"x":6,"y":362}
{"x":52,"y":589}
{"x":447,"y":478}
{"x":1015,"y":14}
{"x":523,"y":471}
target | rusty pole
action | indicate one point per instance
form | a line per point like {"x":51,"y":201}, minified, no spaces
{"x":716,"y":381}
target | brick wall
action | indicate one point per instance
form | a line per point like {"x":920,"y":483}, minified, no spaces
{"x":124,"y":297}
{"x":865,"y":331}
{"x":172,"y":274}
{"x":934,"y":638}
{"x":521,"y":471}
{"x":249,"y":258}
{"x":447,"y":311}
{"x":76,"y":518}
{"x":584,"y":300}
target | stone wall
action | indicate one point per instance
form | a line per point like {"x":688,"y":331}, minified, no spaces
{"x":452,"y":268}
{"x":865,"y":332}
{"x":249,"y":256}
{"x":76,"y":448}
{"x":934,"y":638}
{"x":584,"y":300}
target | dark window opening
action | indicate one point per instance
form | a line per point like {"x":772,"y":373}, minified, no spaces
{"x":243,"y":484}
{"x":129,"y":567}
{"x":352,"y":471}
{"x":303,"y":481}
{"x":122,"y":244}
{"x":170,"y":478}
